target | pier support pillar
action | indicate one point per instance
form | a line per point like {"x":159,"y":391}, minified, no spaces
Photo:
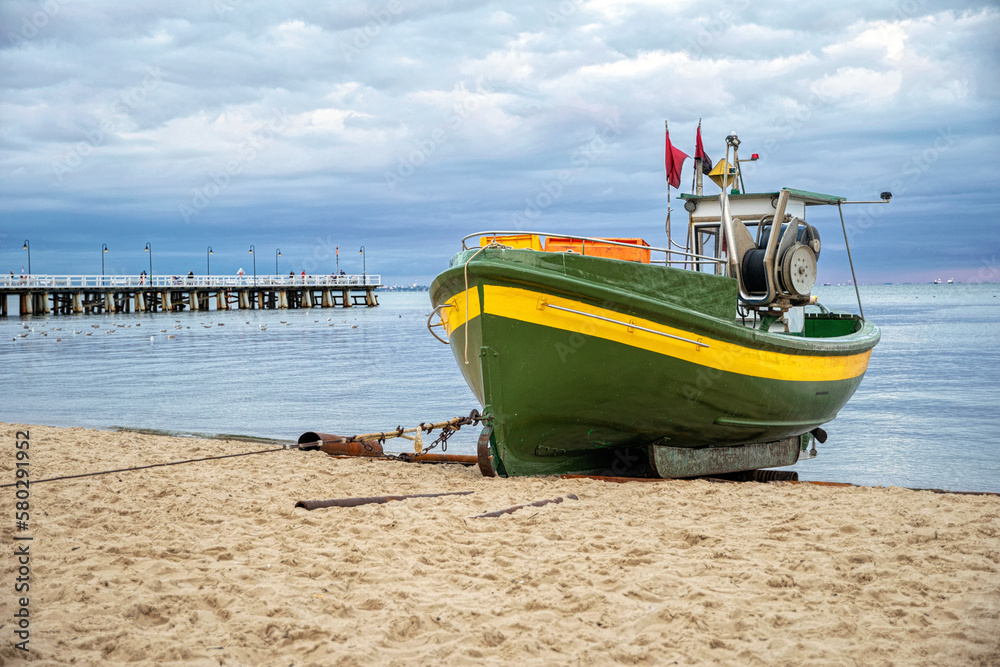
{"x":167,"y":302}
{"x":109,"y":302}
{"x":244,"y":299}
{"x":45,"y":303}
{"x":328,"y":298}
{"x":307,"y":298}
{"x":221,"y":303}
{"x":25,"y":305}
{"x":347,"y":299}
{"x":194,"y":301}
{"x":283,"y":299}
{"x":370,"y":299}
{"x":3,"y":305}
{"x":77,"y":303}
{"x":140,"y":302}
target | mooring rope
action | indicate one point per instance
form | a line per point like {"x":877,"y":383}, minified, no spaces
{"x":156,"y":465}
{"x":491,"y":244}
{"x":448,"y":428}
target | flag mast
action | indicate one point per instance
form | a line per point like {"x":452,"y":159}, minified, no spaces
{"x":698,"y":167}
{"x":666,"y":130}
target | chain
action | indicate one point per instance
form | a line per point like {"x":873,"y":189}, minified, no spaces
{"x":448,"y":429}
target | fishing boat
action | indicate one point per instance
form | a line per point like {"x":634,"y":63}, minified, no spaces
{"x":599,"y":355}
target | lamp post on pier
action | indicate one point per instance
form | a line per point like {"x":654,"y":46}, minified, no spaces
{"x":363,"y":271}
{"x":277,"y":254}
{"x":254,"y":255}
{"x":27,"y":246}
{"x":104,"y":251}
{"x":149,"y":249}
{"x":208,"y":261}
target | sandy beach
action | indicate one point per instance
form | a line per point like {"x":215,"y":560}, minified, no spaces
{"x":210,"y":563}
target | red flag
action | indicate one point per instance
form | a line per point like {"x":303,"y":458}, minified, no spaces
{"x":699,"y":152}
{"x":674,"y":161}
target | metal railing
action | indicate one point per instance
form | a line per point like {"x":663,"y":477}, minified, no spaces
{"x":686,"y":257}
{"x":55,"y":282}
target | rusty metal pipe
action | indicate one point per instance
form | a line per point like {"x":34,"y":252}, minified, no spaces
{"x":419,"y":458}
{"x":344,"y":447}
{"x":312,"y":439}
{"x":338,"y":445}
{"x":537,"y":503}
{"x":616,"y":480}
{"x":823,"y":483}
{"x":746,"y":476}
{"x":354,"y":502}
{"x":775,"y":476}
{"x":440,"y":458}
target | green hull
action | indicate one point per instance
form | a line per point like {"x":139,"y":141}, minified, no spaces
{"x":578,"y":359}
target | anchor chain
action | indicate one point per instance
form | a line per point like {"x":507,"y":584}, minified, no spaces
{"x":451,"y":428}
{"x":448,"y":428}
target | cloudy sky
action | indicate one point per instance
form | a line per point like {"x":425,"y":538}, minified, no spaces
{"x":402,"y":126}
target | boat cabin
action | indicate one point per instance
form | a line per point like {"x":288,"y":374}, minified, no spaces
{"x":754,"y":210}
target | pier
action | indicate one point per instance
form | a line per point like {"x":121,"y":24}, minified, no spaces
{"x":72,"y":295}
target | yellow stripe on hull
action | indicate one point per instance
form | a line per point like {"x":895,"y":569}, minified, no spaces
{"x":464,"y":307}
{"x":532,"y":307}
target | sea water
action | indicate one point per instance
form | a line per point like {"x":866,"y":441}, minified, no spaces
{"x":925,"y":415}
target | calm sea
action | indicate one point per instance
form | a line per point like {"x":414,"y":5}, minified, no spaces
{"x":925,"y":415}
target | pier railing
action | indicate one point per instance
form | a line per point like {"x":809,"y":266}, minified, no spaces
{"x":55,"y":282}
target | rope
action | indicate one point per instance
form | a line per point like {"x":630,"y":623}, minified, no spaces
{"x":848,"y":245}
{"x":491,"y":244}
{"x":155,"y":465}
{"x":448,"y":429}
{"x":399,"y":431}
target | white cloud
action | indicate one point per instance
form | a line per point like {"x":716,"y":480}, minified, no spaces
{"x":859,"y":84}
{"x":619,"y":10}
{"x":295,"y":34}
{"x":883,"y":39}
{"x":644,"y":64}
{"x":501,"y":19}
